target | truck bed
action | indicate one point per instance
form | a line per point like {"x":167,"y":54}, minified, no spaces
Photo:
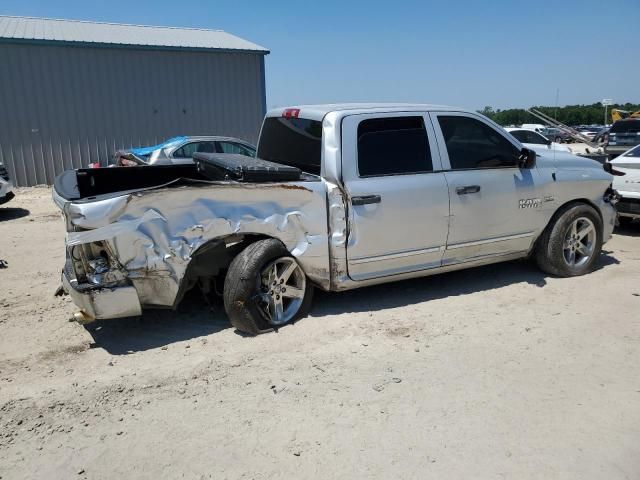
{"x":91,"y":182}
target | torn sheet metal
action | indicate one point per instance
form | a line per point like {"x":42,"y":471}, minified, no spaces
{"x":155,"y":233}
{"x":105,"y":302}
{"x":338,"y":235}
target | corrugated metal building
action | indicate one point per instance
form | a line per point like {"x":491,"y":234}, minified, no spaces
{"x":73,"y":92}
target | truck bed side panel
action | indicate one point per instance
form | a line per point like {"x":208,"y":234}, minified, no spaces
{"x":154,"y":233}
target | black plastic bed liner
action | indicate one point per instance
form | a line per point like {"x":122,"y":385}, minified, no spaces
{"x":91,"y":182}
{"x":243,"y":168}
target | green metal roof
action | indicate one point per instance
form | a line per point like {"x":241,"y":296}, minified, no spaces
{"x":47,"y":30}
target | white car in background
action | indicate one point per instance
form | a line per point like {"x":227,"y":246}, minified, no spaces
{"x":628,"y":186}
{"x":536,"y":127}
{"x":535,"y":140}
{"x":6,"y":187}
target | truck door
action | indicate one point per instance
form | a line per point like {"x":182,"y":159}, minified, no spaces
{"x":497,"y":208}
{"x":399,"y":200}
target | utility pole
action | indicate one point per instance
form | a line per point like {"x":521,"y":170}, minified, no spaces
{"x":606,"y":102}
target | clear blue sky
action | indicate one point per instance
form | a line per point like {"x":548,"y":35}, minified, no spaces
{"x":464,"y":53}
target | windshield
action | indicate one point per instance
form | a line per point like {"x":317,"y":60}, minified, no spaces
{"x":296,"y":142}
{"x":634,"y":152}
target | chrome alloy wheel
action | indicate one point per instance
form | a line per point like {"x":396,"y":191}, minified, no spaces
{"x":281,"y":287}
{"x":579,"y":242}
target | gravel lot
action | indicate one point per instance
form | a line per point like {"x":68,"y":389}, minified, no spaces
{"x":496,"y":372}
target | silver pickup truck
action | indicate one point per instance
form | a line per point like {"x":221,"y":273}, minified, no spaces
{"x":386,"y":192}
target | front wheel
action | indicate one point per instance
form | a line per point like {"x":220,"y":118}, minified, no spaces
{"x":265,"y":288}
{"x":571,"y":244}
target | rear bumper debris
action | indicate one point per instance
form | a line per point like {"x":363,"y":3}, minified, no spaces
{"x":102,"y":302}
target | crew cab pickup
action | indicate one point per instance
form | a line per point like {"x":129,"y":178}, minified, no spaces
{"x":379,"y":193}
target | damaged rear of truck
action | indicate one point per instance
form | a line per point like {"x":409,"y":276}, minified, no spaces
{"x":146,"y":246}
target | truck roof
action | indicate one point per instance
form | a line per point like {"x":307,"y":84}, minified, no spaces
{"x":318,"y":112}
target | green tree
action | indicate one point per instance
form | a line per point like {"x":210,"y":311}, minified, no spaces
{"x":569,"y":114}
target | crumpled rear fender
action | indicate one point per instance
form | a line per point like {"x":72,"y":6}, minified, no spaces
{"x":155,"y":233}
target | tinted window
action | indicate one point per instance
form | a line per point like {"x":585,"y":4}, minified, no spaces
{"x":187,"y":151}
{"x":527,"y":136}
{"x":292,"y":141}
{"x":626,"y":126}
{"x":473,"y":144}
{"x":230,"y":147}
{"x":397,"y":145}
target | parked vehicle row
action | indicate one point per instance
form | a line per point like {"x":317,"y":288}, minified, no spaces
{"x":622,"y":135}
{"x":535,"y":140}
{"x":339,"y":197}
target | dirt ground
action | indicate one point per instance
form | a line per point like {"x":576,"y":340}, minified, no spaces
{"x":495,"y":372}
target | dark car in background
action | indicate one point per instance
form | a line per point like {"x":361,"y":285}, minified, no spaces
{"x":556,"y":135}
{"x":623,"y":135}
{"x":601,"y":136}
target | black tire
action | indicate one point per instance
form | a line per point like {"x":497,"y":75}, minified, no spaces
{"x":550,"y":249}
{"x":241,"y":287}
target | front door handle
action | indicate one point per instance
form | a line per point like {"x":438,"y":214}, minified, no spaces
{"x":365,"y":200}
{"x":467,"y":189}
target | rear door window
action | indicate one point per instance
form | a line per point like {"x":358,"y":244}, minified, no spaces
{"x":393,"y":146}
{"x":296,"y":142}
{"x":473,"y":144}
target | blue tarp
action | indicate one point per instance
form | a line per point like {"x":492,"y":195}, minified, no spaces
{"x":144,"y":151}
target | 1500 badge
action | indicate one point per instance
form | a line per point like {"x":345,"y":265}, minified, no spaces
{"x":530,"y":202}
{"x":533,"y":202}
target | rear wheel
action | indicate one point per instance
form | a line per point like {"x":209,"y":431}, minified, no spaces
{"x":571,"y":244}
{"x":265,"y":288}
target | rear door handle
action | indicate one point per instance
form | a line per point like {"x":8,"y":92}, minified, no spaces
{"x":467,"y":189}
{"x":365,"y":199}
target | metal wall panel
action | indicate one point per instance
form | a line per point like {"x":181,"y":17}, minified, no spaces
{"x":64,"y":107}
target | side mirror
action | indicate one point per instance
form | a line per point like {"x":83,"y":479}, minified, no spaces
{"x":548,"y":142}
{"x":527,"y":158}
{"x":608,"y":167}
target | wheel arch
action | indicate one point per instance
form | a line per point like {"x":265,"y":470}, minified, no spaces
{"x":561,"y":209}
{"x":212,"y":258}
{"x":573,"y":202}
